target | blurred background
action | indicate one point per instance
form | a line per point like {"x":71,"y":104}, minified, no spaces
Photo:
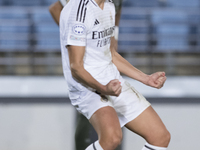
{"x":154,"y":35}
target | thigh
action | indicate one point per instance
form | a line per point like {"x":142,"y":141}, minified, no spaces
{"x":105,"y":121}
{"x":129,"y":104}
{"x":148,"y":124}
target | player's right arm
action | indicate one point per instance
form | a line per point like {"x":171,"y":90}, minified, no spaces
{"x":55,"y":10}
{"x":76,"y":54}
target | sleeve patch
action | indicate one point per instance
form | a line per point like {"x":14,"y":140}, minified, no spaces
{"x":74,"y":38}
{"x":79,"y":29}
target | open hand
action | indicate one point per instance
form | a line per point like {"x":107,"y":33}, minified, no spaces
{"x":157,"y":80}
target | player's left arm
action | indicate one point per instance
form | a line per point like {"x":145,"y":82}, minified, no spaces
{"x":156,"y":80}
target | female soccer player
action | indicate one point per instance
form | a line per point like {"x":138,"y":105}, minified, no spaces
{"x":92,"y":69}
{"x":84,"y":128}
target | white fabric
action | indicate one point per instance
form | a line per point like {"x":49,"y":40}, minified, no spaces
{"x":94,"y":146}
{"x":116,"y":32}
{"x":90,"y":147}
{"x":64,"y":2}
{"x":128,"y":105}
{"x":98,"y":146}
{"x":84,"y":23}
{"x":148,"y":146}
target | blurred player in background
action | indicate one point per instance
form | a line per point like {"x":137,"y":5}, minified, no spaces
{"x":92,"y":67}
{"x":84,"y":128}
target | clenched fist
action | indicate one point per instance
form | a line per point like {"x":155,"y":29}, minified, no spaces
{"x":113,"y":88}
{"x":156,"y":80}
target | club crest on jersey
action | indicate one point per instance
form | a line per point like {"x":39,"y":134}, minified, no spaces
{"x":79,"y":29}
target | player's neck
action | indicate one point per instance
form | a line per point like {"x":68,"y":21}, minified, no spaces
{"x":100,"y":3}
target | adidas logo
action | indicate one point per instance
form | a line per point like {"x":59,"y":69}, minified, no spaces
{"x":96,"y":22}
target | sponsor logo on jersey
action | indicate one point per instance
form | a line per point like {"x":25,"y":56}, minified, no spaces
{"x":103,"y":42}
{"x":79,"y":29}
{"x":103,"y":34}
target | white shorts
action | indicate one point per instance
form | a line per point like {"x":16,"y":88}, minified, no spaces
{"x":128,"y":105}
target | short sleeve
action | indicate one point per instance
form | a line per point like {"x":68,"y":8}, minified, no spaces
{"x":75,"y":34}
{"x":74,"y":31}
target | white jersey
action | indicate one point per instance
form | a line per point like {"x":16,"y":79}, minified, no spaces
{"x":84,"y":23}
{"x":64,"y":2}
